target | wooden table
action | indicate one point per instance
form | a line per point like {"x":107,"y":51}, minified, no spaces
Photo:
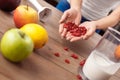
{"x":42,"y":64}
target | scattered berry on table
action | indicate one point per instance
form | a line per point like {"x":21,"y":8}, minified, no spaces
{"x":74,"y":56}
{"x":57,"y":54}
{"x":79,"y":77}
{"x":66,"y":48}
{"x":82,"y":63}
{"x":67,"y":61}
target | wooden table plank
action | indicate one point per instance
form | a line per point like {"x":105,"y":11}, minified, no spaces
{"x":34,"y":67}
{"x":6,"y":21}
{"x":53,"y":47}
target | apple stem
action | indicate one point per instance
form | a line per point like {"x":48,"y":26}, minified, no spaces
{"x":26,"y":3}
{"x":27,"y":6}
{"x":22,"y":34}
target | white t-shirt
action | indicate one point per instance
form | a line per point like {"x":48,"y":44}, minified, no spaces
{"x":96,"y":9}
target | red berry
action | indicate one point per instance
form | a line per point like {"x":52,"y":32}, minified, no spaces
{"x":74,"y":29}
{"x":66,"y":48}
{"x":67,"y":61}
{"x":74,"y":56}
{"x":65,"y":26}
{"x":57,"y":54}
{"x":82,"y":62}
{"x":76,"y":34}
{"x":79,"y":77}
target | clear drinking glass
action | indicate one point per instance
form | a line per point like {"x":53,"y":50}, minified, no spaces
{"x":102,"y":62}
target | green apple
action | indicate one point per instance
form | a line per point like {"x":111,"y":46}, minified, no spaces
{"x":16,"y":45}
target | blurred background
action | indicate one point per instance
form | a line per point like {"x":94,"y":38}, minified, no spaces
{"x":52,"y":2}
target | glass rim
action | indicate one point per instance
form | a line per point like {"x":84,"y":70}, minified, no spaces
{"x":117,"y":32}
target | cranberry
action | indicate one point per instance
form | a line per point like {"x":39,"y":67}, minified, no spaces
{"x":57,"y":54}
{"x":67,"y":61}
{"x":82,"y":62}
{"x":79,"y":77}
{"x":66,"y":48}
{"x":74,"y":56}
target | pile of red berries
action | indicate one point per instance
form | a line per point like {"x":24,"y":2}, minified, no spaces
{"x":74,"y":29}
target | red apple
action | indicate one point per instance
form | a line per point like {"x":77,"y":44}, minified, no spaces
{"x":9,"y":5}
{"x":24,"y":14}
